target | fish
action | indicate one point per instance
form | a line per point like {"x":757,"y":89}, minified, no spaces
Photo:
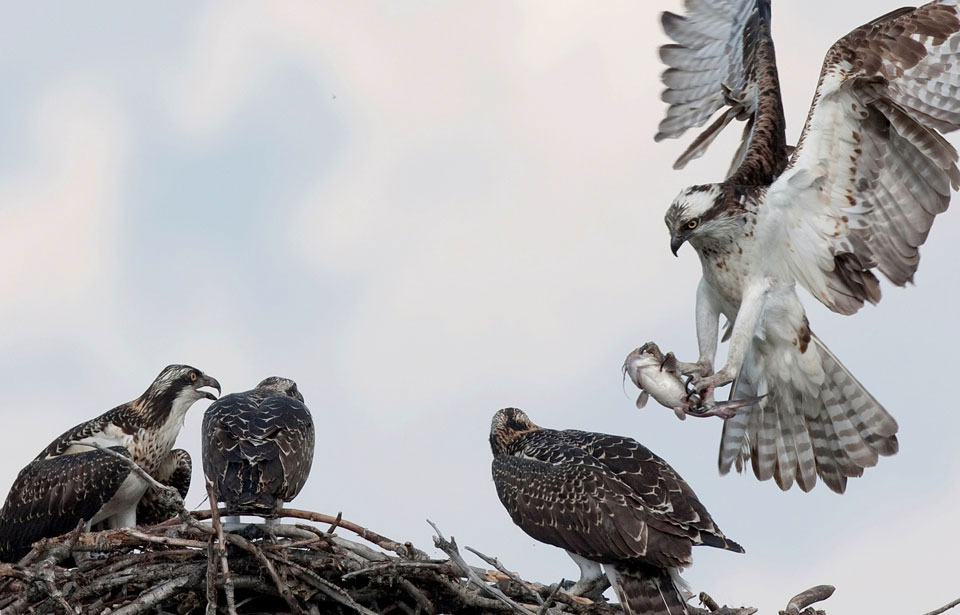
{"x":658,"y":376}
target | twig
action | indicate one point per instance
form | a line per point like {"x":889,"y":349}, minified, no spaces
{"x":156,"y":595}
{"x":708,"y":602}
{"x":266,"y":564}
{"x":545,"y":605}
{"x":228,"y":590}
{"x":403,"y":550}
{"x":511,"y":575}
{"x":336,"y":523}
{"x":211,"y":579}
{"x":944,"y":608}
{"x":808,"y":597}
{"x":450,"y":548}
{"x":166,"y":492}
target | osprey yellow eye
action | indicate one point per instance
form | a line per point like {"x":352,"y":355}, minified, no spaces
{"x":193,"y":376}
{"x":692,"y":224}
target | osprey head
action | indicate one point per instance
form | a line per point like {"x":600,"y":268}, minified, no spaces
{"x":507,"y":425}
{"x":281,"y":385}
{"x":180,"y":384}
{"x":692,"y":214}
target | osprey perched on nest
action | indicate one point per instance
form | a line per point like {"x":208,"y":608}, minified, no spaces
{"x":606,"y":500}
{"x":859,"y":192}
{"x":70,"y":481}
{"x":258,"y":447}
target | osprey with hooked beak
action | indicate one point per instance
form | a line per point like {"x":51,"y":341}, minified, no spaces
{"x":858,"y":193}
{"x":613,"y":505}
{"x":70,"y":481}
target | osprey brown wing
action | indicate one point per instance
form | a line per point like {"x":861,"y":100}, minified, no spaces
{"x":673,"y":506}
{"x":51,"y":496}
{"x":257,"y":449}
{"x":724,"y":57}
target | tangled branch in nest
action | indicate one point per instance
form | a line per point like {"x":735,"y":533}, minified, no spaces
{"x":187,"y":565}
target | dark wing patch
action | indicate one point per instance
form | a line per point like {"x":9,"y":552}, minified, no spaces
{"x":563,"y":497}
{"x":121,"y":416}
{"x":673,"y":506}
{"x":724,"y":57}
{"x":174,"y":471}
{"x":257,"y":449}
{"x":50,"y":496}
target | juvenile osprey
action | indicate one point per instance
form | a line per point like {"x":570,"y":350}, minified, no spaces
{"x":69,"y":481}
{"x":258,"y":447}
{"x":859,"y":192}
{"x":606,"y":500}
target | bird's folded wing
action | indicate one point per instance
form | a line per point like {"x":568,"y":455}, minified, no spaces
{"x":50,"y":496}
{"x":723,"y":57}
{"x":581,"y":509}
{"x":871,"y":169}
{"x":673,"y":506}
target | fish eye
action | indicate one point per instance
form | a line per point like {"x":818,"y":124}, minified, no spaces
{"x":693,"y":224}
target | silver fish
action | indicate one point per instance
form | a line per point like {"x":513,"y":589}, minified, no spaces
{"x":658,"y":375}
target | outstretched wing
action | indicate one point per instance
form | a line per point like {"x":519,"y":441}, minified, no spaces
{"x":724,"y":57}
{"x":50,"y":496}
{"x":871,"y":170}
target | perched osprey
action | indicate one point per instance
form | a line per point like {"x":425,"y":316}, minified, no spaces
{"x":69,"y":481}
{"x":859,"y":192}
{"x":606,"y":500}
{"x":258,"y":447}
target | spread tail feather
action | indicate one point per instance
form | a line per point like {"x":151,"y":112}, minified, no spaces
{"x":794,"y":435}
{"x":647,"y":590}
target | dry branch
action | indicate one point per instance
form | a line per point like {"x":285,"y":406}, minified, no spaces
{"x":186,"y":566}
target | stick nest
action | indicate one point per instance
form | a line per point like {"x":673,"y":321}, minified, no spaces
{"x":196,"y":564}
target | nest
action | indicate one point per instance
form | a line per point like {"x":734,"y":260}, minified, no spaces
{"x":193,"y":563}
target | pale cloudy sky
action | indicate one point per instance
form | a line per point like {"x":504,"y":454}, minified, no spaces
{"x":423,"y":212}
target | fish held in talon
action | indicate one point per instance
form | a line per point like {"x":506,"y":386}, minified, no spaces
{"x":659,"y":376}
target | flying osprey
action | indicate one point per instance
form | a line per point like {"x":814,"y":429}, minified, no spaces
{"x":606,"y":500}
{"x":258,"y":447}
{"x":859,"y":192}
{"x":69,"y":481}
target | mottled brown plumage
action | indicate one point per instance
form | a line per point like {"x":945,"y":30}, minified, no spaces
{"x":175,"y":471}
{"x":604,"y":498}
{"x":70,"y":481}
{"x":258,"y":447}
{"x":51,"y":496}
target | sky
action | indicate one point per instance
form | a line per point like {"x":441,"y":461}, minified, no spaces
{"x":423,"y":212}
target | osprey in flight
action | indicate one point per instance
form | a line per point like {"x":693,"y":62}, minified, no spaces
{"x":258,"y":447}
{"x":606,"y":500}
{"x":70,"y":481}
{"x":858,"y":192}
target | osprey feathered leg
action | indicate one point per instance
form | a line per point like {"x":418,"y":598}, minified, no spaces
{"x":71,"y":481}
{"x":859,"y":193}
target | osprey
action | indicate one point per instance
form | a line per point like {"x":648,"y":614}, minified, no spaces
{"x":608,"y":501}
{"x":70,"y":481}
{"x":859,"y":192}
{"x":258,"y":447}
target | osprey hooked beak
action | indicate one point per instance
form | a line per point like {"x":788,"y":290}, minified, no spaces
{"x":207,"y":381}
{"x":676,"y":240}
